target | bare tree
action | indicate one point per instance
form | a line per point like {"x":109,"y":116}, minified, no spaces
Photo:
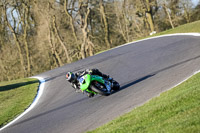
{"x":168,"y":14}
{"x":147,"y":9}
{"x":60,"y":39}
{"x":17,"y":42}
{"x":25,"y":23}
{"x":56,"y":57}
{"x":70,"y":16}
{"x":87,"y":45}
{"x":105,"y":22}
{"x":187,"y":8}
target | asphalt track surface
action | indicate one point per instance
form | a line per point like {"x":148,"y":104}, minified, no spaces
{"x":143,"y":69}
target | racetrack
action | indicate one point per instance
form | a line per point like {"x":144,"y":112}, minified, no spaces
{"x":143,"y":69}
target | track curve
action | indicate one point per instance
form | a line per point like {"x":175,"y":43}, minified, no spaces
{"x":144,"y":69}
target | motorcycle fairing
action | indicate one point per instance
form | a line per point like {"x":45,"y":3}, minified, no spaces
{"x":87,"y":79}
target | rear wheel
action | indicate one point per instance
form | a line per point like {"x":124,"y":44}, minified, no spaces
{"x":99,"y":91}
{"x":115,"y":86}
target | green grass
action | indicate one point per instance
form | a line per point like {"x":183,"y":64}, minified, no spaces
{"x":174,"y":111}
{"x":193,"y":27}
{"x":15,"y":97}
{"x":186,"y":28}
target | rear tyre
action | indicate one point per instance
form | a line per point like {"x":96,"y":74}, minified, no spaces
{"x":99,"y":91}
{"x":115,"y":86}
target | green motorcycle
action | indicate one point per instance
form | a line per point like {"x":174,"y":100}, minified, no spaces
{"x":97,"y":85}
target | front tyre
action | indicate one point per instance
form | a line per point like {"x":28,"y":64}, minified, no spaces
{"x":99,"y":91}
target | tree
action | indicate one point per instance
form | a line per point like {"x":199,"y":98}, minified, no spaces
{"x":147,"y":9}
{"x":167,"y":11}
{"x":105,"y":23}
{"x":87,"y":45}
{"x":196,"y":13}
{"x":13,"y":31}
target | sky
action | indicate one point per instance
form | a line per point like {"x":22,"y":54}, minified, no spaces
{"x":195,"y":2}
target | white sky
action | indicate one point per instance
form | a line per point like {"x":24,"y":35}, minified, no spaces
{"x":195,"y":1}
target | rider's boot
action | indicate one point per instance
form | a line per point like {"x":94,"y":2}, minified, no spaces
{"x":90,"y":95}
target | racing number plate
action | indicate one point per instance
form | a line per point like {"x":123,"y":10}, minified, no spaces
{"x":81,"y":80}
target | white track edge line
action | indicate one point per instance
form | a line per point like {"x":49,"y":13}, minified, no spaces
{"x":35,"y":101}
{"x":194,"y":73}
{"x":42,"y":81}
{"x":187,"y":78}
{"x":175,"y":34}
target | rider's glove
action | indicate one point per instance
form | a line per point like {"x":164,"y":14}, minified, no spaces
{"x":89,"y":71}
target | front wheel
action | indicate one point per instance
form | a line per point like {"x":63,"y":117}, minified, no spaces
{"x":99,"y":91}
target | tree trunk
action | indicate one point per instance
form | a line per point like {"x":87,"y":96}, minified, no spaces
{"x":150,"y":21}
{"x":83,"y":52}
{"x":71,"y":20}
{"x":56,"y":57}
{"x":149,"y":15}
{"x":169,"y":16}
{"x":25,"y":23}
{"x":60,"y":40}
{"x":86,"y":44}
{"x":106,"y":26}
{"x":124,"y":12}
{"x":16,"y":40}
{"x":186,"y":14}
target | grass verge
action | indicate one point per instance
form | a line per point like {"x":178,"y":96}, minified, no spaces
{"x":186,"y":28}
{"x":15,"y":97}
{"x":177,"y":110}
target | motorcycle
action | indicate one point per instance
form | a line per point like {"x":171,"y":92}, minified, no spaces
{"x":97,"y":85}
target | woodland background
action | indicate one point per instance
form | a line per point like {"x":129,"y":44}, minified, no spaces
{"x":39,"y":35}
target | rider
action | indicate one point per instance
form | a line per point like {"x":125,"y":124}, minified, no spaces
{"x":72,"y":78}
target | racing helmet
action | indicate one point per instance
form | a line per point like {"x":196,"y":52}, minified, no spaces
{"x":70,"y":76}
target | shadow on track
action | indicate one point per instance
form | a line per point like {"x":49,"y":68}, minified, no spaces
{"x":16,"y":85}
{"x":130,"y":83}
